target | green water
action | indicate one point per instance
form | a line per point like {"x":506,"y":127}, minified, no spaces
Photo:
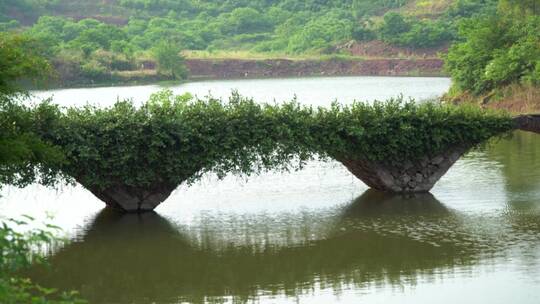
{"x":314,"y":236}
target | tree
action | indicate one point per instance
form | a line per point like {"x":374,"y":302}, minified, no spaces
{"x":21,"y":59}
{"x":24,"y":157}
{"x":394,"y":25}
{"x":169,"y":60}
{"x":496,"y":51}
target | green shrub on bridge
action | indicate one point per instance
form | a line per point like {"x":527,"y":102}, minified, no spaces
{"x":172,"y":139}
{"x":396,"y":130}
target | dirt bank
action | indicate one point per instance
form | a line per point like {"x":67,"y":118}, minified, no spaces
{"x":69,"y":74}
{"x":236,"y":68}
{"x":378,"y":49}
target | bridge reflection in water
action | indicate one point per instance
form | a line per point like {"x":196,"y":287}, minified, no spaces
{"x":379,"y":239}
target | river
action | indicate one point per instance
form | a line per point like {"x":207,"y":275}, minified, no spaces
{"x":318,"y":235}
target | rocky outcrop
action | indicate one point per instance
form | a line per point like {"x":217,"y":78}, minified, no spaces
{"x":406,"y":177}
{"x":133,"y":199}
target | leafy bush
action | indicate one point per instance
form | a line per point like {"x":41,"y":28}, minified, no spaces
{"x":20,"y":250}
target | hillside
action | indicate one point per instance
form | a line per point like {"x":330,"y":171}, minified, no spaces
{"x":280,"y":26}
{"x":96,"y":39}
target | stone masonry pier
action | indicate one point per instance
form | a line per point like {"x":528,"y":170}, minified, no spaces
{"x":406,"y":177}
{"x":133,"y":199}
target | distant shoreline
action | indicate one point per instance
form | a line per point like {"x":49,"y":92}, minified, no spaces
{"x":221,"y":69}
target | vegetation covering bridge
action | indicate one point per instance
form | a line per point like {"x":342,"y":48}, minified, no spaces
{"x":132,"y":158}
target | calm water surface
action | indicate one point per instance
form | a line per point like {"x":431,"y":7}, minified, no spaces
{"x":314,"y":236}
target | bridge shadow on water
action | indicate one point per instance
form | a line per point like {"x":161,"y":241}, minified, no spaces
{"x":378,"y":239}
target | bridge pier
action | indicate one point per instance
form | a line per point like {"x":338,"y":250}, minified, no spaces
{"x":133,"y":199}
{"x":405,"y":177}
{"x":528,"y":122}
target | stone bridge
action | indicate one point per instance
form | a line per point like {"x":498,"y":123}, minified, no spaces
{"x":420,"y":176}
{"x":406,"y":177}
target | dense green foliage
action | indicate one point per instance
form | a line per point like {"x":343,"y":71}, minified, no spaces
{"x":23,"y":156}
{"x":497,"y":50}
{"x":20,"y":250}
{"x":172,"y":139}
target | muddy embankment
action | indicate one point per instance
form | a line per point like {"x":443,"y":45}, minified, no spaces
{"x":71,"y":75}
{"x":236,"y":68}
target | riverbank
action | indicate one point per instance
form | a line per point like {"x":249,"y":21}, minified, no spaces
{"x":242,"y":68}
{"x":516,"y":99}
{"x":216,"y":69}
